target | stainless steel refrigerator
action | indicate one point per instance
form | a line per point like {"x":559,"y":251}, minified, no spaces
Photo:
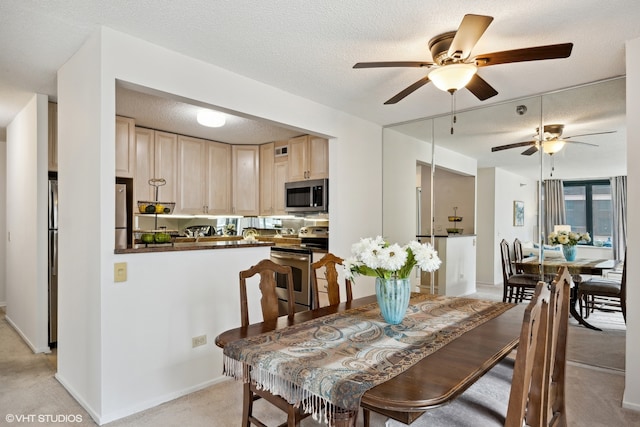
{"x":53,"y":261}
{"x":121,"y":216}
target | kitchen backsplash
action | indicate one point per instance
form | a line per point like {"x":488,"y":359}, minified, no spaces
{"x":285,"y":225}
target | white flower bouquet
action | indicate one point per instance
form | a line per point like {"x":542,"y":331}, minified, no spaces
{"x":568,"y":238}
{"x":377,"y":258}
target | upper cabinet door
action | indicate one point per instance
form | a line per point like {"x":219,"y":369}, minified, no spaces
{"x":308,"y":158}
{"x":246,"y":179}
{"x":218,"y":189}
{"x":125,"y":147}
{"x":318,"y":158}
{"x":166,"y":165}
{"x":191,"y":175}
{"x":267,"y":162}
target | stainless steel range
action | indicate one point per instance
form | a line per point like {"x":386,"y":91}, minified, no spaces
{"x":299,"y":259}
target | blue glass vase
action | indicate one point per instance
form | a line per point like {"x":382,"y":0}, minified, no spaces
{"x":393,"y":298}
{"x":569,"y":252}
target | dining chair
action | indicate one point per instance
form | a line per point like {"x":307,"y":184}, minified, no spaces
{"x":517,"y":255}
{"x":604,"y":294}
{"x":516,"y":286}
{"x":267,"y":271}
{"x":327,"y":265}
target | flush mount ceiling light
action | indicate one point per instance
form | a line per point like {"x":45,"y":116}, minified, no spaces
{"x":452,"y":77}
{"x":212,"y":119}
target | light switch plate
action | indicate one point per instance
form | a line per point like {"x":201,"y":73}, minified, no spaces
{"x":120,"y":272}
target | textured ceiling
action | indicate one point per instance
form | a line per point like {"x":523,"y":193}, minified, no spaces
{"x":309,"y":47}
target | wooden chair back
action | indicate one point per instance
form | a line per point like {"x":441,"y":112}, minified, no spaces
{"x":267,"y":270}
{"x":525,"y":399}
{"x":556,"y":357}
{"x":517,"y":255}
{"x":330,"y":263}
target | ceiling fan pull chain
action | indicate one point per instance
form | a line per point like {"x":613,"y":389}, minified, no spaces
{"x":453,"y":110}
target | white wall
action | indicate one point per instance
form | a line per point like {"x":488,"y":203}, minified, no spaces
{"x":631,"y":397}
{"x":3,"y":223}
{"x":126,"y":347}
{"x":497,"y":190}
{"x":26,"y":222}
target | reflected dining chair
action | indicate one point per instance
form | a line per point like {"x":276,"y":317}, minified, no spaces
{"x":516,"y":287}
{"x":604,"y":294}
{"x":267,"y":271}
{"x":328,"y":267}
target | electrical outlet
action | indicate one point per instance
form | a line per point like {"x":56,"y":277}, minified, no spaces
{"x":198,"y":341}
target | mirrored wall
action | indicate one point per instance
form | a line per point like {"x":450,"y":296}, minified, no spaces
{"x":470,"y":176}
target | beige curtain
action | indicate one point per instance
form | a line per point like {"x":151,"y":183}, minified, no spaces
{"x":554,"y":211}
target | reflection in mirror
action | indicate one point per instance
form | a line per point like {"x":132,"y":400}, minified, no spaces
{"x":502,"y":176}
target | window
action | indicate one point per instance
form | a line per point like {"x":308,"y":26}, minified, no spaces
{"x":589,"y":209}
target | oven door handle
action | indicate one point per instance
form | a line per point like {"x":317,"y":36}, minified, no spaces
{"x":291,"y":257}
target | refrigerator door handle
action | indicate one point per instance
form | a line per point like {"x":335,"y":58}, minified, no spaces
{"x":53,"y":251}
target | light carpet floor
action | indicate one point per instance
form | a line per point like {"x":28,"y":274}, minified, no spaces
{"x":595,"y":383}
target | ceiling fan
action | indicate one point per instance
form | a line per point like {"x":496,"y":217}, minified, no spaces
{"x":454,"y":68}
{"x":550,"y":140}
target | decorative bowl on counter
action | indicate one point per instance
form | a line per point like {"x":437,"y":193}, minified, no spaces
{"x":165,"y":208}
{"x":454,"y":230}
{"x":161,"y":236}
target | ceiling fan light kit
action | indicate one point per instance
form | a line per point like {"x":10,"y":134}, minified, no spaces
{"x":552,"y":146}
{"x":453,"y":77}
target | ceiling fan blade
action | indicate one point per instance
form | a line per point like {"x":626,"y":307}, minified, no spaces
{"x":393,"y":64}
{"x":588,"y":134}
{"x":469,"y":32}
{"x":514,"y":145}
{"x":531,"y":150}
{"x":480,"y":88}
{"x":402,"y":94}
{"x":583,"y":143}
{"x":537,"y":53}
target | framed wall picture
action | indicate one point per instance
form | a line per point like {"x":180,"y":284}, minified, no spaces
{"x":518,"y":213}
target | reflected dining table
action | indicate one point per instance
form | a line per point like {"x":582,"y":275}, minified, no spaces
{"x":593,"y":267}
{"x":430,"y":381}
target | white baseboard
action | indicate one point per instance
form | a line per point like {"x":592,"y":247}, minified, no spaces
{"x":125,"y":412}
{"x":33,"y":348}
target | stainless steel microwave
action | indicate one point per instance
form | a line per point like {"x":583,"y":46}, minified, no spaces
{"x":307,"y":196}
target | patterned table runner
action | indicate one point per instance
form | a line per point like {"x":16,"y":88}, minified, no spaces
{"x":330,"y":362}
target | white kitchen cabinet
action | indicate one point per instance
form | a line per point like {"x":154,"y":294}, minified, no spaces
{"x":308,"y":158}
{"x":53,"y":137}
{"x":204,"y":177}
{"x":246,"y":179}
{"x":125,"y":147}
{"x":156,"y":157}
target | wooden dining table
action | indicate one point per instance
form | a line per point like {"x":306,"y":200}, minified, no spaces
{"x":435,"y":379}
{"x":593,"y":267}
